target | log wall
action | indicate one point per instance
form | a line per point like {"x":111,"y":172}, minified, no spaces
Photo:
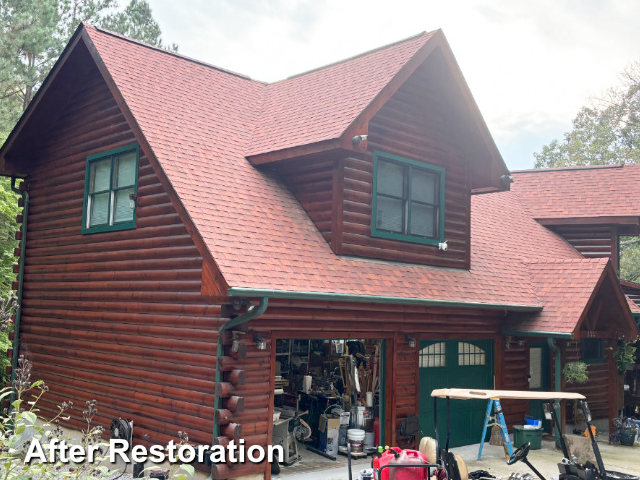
{"x":597,"y":389}
{"x":414,"y":123}
{"x":592,"y":241}
{"x":119,"y":316}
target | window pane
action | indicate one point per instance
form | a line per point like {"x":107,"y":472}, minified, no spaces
{"x":100,"y":172}
{"x":390,"y":178}
{"x":423,"y":186}
{"x":99,"y":211}
{"x":433,"y":356}
{"x":124,"y":170}
{"x":122,"y":211}
{"x":423,"y":221}
{"x":389,"y":214}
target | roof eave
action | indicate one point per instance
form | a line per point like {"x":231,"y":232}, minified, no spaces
{"x":346,"y":297}
{"x":603,"y":220}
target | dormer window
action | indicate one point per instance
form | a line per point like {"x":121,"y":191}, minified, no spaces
{"x":408,"y":200}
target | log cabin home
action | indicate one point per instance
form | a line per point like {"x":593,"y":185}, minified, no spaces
{"x":187,"y":229}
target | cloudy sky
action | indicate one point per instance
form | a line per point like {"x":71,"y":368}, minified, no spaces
{"x":530,"y":64}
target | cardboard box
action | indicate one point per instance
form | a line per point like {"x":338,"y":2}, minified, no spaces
{"x":329,"y":429}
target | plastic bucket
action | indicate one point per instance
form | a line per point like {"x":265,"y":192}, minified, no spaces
{"x":628,"y":436}
{"x":369,"y":439}
{"x":355,"y":435}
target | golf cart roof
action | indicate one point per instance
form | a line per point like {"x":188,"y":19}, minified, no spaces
{"x":467,"y":394}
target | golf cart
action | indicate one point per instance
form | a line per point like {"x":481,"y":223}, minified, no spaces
{"x":569,"y":469}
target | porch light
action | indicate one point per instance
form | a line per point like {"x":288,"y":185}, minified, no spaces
{"x":261,"y":343}
{"x":411,"y":341}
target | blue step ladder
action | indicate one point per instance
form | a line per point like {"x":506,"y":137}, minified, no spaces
{"x":496,"y":419}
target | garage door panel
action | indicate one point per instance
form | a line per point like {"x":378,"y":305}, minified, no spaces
{"x":455,"y":364}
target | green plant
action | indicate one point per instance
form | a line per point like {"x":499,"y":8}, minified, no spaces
{"x":22,"y":426}
{"x":625,"y":355}
{"x":575,"y":372}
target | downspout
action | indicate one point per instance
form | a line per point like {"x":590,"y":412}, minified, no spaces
{"x":558,"y":377}
{"x":251,"y":313}
{"x":18,"y":314}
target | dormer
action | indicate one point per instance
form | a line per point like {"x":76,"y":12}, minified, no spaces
{"x":397,"y":184}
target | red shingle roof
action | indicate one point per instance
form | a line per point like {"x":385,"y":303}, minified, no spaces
{"x":200,"y":122}
{"x":321,"y":104}
{"x":580,"y":192}
{"x":564,"y":287}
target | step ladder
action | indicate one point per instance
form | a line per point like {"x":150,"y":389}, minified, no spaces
{"x":497,"y":419}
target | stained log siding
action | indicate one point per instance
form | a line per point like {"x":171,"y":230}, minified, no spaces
{"x":118,"y":316}
{"x":592,"y":241}
{"x":415,"y":124}
{"x":597,"y":389}
{"x":515,"y":368}
{"x":311,"y":181}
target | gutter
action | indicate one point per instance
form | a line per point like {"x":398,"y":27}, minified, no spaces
{"x":18,"y":314}
{"x":537,"y":333}
{"x":346,"y":297}
{"x":251,"y":313}
{"x":558,"y":379}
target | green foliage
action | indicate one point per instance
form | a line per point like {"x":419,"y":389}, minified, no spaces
{"x":136,"y":21}
{"x":33,"y":34}
{"x":606,"y":132}
{"x":24,"y":424}
{"x":630,"y":259}
{"x":625,"y":354}
{"x":575,"y":372}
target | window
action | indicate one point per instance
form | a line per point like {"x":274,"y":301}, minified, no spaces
{"x":433,"y":355}
{"x":469,"y":354}
{"x":408,"y":200}
{"x":593,"y":350}
{"x":111,"y":186}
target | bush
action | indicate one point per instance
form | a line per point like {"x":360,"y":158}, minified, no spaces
{"x":575,"y":372}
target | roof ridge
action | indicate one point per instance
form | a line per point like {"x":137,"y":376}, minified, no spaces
{"x":169,"y":52}
{"x":562,"y":169}
{"x":363,"y":54}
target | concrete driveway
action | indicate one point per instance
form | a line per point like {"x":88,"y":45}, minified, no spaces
{"x":618,"y":458}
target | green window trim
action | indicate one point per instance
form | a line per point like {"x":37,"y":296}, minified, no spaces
{"x":593,"y":353}
{"x":412,"y":164}
{"x":111,"y":224}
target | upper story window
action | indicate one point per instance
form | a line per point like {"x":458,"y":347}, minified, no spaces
{"x":110,"y":190}
{"x":408,"y":200}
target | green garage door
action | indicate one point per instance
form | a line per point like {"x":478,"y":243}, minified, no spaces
{"x":455,"y":364}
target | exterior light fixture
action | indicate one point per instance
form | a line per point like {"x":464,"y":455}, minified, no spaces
{"x":133,"y":198}
{"x":261,"y":343}
{"x":411,"y":341}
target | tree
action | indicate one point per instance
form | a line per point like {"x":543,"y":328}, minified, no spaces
{"x":33,"y":34}
{"x":606,"y":132}
{"x":136,"y":21}
{"x":603,"y":133}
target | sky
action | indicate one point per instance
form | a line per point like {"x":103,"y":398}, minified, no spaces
{"x":530,"y":65}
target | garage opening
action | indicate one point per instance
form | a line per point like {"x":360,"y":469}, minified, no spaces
{"x":327,"y":393}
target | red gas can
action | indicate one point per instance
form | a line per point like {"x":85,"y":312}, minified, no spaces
{"x":402,"y":457}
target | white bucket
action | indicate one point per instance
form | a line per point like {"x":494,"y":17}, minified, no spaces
{"x":355,"y":435}
{"x":306,"y":383}
{"x":369,"y":438}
